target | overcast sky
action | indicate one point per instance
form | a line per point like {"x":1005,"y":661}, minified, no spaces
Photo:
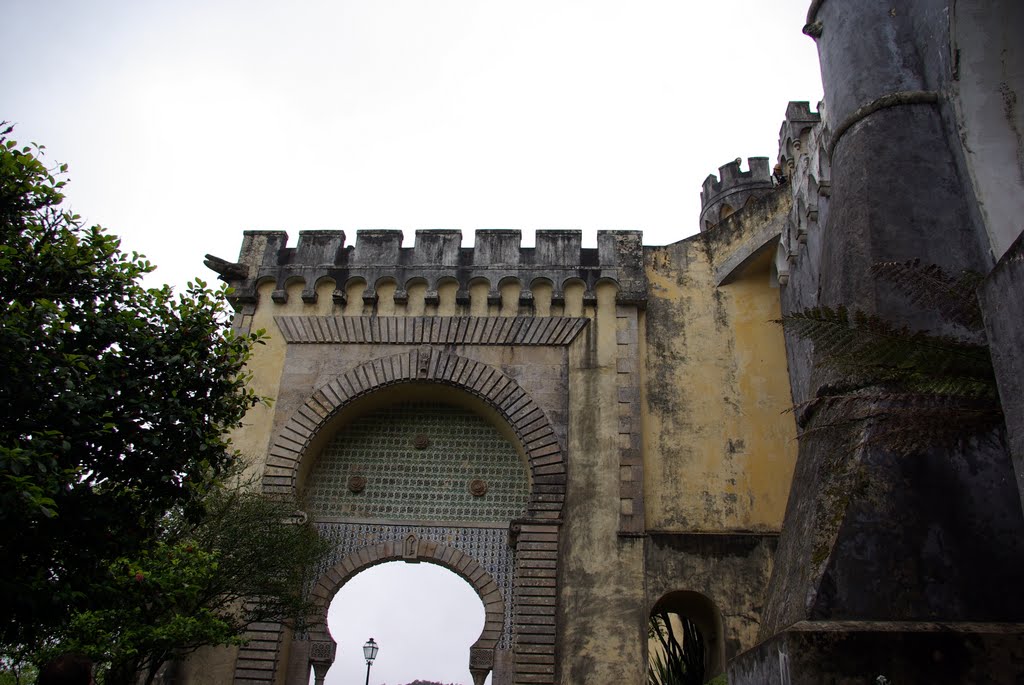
{"x":187,"y":122}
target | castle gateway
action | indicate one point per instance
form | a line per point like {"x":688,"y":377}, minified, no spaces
{"x":587,"y":435}
{"x":580,"y":433}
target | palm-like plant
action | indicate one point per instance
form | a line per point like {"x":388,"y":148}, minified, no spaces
{"x":679,"y":661}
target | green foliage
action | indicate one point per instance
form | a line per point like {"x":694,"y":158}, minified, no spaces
{"x":200,"y":584}
{"x":17,"y":673}
{"x":916,"y":389}
{"x":114,"y":401}
{"x":954,"y":298}
{"x":680,"y":661}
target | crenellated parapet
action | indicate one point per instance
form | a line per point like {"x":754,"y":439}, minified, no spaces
{"x":436,"y":261}
{"x":729,"y":191}
{"x":804,"y":163}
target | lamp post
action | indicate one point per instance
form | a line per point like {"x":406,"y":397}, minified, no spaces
{"x":369,"y":653}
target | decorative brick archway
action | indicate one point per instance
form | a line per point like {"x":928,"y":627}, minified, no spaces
{"x":534,"y":537}
{"x":412,"y":549}
{"x":430,"y":365}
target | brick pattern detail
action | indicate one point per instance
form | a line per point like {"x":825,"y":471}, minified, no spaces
{"x":427,"y":550}
{"x":504,"y":395}
{"x":631,"y":476}
{"x":417,"y":330}
{"x":536,"y":596}
{"x":257,"y":658}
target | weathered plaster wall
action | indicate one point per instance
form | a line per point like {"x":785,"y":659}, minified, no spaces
{"x":602,"y":610}
{"x":719,"y":448}
{"x":267,"y":364}
{"x":207,"y":666}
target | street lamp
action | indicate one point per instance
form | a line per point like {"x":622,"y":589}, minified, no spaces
{"x":369,"y":653}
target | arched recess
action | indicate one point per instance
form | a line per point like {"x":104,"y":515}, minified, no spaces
{"x":513,"y":404}
{"x":699,"y":609}
{"x":481,"y":653}
{"x":534,"y":594}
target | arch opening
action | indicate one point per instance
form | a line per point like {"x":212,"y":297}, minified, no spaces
{"x":685,"y":639}
{"x":424,"y":617}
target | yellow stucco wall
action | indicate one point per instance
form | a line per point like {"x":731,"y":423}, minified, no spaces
{"x":602,"y":611}
{"x":719,"y":447}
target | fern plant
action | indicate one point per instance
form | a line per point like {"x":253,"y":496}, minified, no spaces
{"x":915,"y":389}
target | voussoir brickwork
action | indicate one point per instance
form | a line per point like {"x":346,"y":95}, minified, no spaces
{"x":527,"y":420}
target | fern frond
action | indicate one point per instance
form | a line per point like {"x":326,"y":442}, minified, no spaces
{"x":905,"y":423}
{"x":906,"y":390}
{"x":929,"y":286}
{"x":869,"y":348}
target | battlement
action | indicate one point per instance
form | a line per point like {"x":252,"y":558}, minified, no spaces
{"x":803,"y":163}
{"x":436,"y":257}
{"x":795,"y":128}
{"x":726,"y":193}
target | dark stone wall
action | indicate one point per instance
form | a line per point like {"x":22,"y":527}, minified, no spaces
{"x":869,"y":535}
{"x":839,"y":653}
{"x":1002,"y":300}
{"x":898,"y":192}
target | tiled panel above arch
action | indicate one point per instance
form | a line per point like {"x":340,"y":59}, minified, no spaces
{"x":419,"y":461}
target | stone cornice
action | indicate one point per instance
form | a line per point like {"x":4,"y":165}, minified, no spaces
{"x":423,"y":330}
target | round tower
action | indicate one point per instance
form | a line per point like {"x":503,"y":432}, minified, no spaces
{"x":732,"y":189}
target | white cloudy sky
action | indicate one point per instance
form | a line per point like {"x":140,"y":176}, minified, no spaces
{"x":187,"y":122}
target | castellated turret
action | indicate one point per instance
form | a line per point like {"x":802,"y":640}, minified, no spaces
{"x":732,"y":189}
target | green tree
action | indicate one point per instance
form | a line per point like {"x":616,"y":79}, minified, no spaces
{"x":245,"y":561}
{"x":114,"y":402}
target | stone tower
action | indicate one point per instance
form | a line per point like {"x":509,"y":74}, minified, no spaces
{"x":730,"y":191}
{"x":893,"y":567}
